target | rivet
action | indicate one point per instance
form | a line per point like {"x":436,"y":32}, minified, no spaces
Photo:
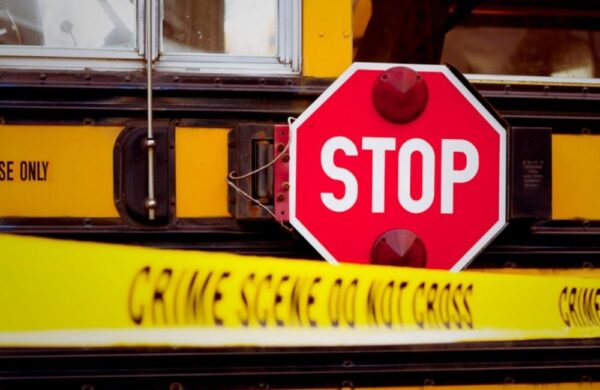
{"x":285,"y":186}
{"x":321,"y":33}
{"x":346,"y":34}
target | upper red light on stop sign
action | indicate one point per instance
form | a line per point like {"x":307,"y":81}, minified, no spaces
{"x":444,"y":179}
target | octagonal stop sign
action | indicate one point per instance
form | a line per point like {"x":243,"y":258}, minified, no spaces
{"x":398,"y":165}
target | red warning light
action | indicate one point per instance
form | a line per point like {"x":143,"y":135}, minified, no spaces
{"x":400,"y":94}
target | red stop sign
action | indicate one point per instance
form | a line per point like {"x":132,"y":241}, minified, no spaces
{"x":358,"y":178}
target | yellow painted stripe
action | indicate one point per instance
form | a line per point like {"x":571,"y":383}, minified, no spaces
{"x":576,"y":177}
{"x":201,"y":168}
{"x":57,"y":171}
{"x":66,"y":293}
{"x":327,"y":37}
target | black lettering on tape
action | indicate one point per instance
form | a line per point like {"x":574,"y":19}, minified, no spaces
{"x":431,"y":305}
{"x":176,"y":297}
{"x":160,"y":287}
{"x":278,"y":299}
{"x":417,"y":315}
{"x":350,"y":303}
{"x":195,"y":299}
{"x":457,"y":292}
{"x":295,"y":308}
{"x":137,"y":316}
{"x":334,"y":306}
{"x":562,"y":302}
{"x":469,"y":316}
{"x":596,"y":303}
{"x":444,"y":300}
{"x":579,"y":306}
{"x":372,"y":295}
{"x":244,"y":316}
{"x":401,"y":287}
{"x":262,"y":320}
{"x":572,"y":311}
{"x":386,"y":303}
{"x":217,"y":297}
{"x":311,"y":301}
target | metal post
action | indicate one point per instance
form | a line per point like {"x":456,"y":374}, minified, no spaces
{"x":150,"y":141}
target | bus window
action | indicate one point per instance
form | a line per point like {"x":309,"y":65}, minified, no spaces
{"x":230,"y":35}
{"x":215,"y":36}
{"x":71,"y":24}
{"x":555,"y":38}
{"x":238,"y":27}
{"x":523,"y":51}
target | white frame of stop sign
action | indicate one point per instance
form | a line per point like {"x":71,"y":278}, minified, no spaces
{"x":475,"y":103}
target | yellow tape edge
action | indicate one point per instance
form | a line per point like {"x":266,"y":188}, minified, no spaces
{"x":65,"y":293}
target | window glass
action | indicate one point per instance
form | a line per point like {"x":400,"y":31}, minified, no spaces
{"x":237,"y":27}
{"x":86,"y":24}
{"x":523,"y":51}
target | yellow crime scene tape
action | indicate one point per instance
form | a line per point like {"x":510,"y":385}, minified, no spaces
{"x":61,"y":293}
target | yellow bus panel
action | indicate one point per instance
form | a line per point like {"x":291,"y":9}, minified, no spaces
{"x":57,"y":171}
{"x":327,"y":37}
{"x":576,"y":176}
{"x":201,"y":168}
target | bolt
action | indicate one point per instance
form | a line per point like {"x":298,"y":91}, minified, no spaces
{"x":280,"y":147}
{"x":150,"y":143}
{"x":286,"y":158}
{"x":280,"y":197}
{"x":150,"y":203}
{"x":285,"y":186}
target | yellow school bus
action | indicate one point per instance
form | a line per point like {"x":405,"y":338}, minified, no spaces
{"x":120,"y":121}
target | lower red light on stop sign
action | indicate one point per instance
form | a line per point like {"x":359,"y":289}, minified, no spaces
{"x":355,"y":175}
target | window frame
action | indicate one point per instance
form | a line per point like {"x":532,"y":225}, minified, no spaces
{"x":30,"y":56}
{"x":286,"y":61}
